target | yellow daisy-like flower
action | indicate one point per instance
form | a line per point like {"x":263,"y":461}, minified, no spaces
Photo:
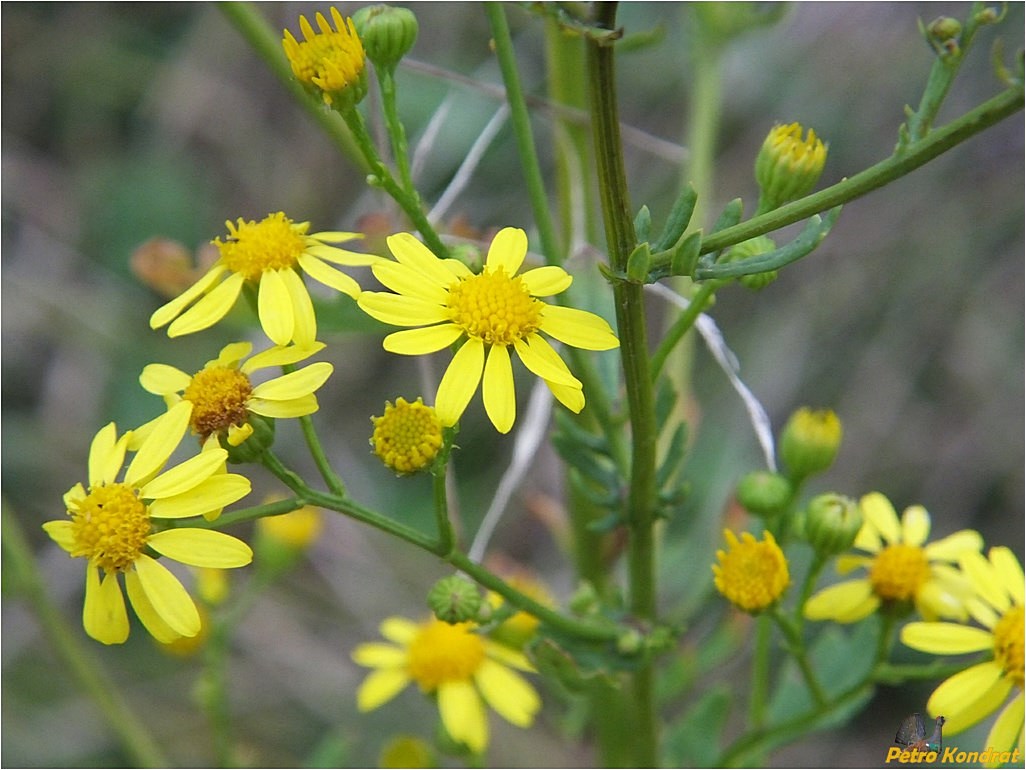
{"x":269,"y":255}
{"x":752,"y":574}
{"x":457,"y":665}
{"x":491,"y":312}
{"x":221,"y":397}
{"x":110,"y":525}
{"x":969,"y":696}
{"x":900,"y":569}
{"x":407,"y":436}
{"x":329,"y":62}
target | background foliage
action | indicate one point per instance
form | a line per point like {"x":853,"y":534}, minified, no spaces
{"x":125,"y":121}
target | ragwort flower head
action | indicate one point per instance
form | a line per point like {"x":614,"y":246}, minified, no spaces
{"x":221,"y":397}
{"x":971,"y":695}
{"x":491,"y":312}
{"x":268,"y":255}
{"x":455,"y":664}
{"x":329,"y":63}
{"x":110,"y":526}
{"x":752,"y":574}
{"x":901,"y":568}
{"x":408,"y":436}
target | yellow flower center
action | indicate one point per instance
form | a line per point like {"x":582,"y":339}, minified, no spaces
{"x":752,"y":574}
{"x":898,"y":571}
{"x":111,"y":526}
{"x":787,"y":143}
{"x":274,"y":243}
{"x":494,"y":307}
{"x":330,"y":60}
{"x":218,"y":395}
{"x":1008,"y":644}
{"x":408,"y":436}
{"x":444,"y":653}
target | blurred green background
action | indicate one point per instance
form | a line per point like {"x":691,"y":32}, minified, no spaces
{"x":126,"y":121}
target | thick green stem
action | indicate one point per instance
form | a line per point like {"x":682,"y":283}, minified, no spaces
{"x":630,"y":316}
{"x":139,"y":746}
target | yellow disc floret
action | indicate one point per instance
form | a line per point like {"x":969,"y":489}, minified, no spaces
{"x":444,"y":653}
{"x":219,"y":396}
{"x":273,"y":243}
{"x":408,"y":436}
{"x":752,"y":574}
{"x":898,"y":571}
{"x":494,"y":307}
{"x":1008,"y":644}
{"x":110,"y":527}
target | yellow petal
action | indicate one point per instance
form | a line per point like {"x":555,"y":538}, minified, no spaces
{"x":274,"y":306}
{"x":399,"y":310}
{"x":839,"y":600}
{"x":546,"y":281}
{"x":463,"y":714}
{"x":380,"y":686}
{"x":915,"y":525}
{"x":62,"y":532}
{"x":170,"y":601}
{"x":103,"y":614}
{"x":165,"y":436}
{"x":301,"y":382}
{"x":305,"y":330}
{"x":185,"y":475}
{"x":1007,"y":728}
{"x":985,"y":580}
{"x":329,"y":276}
{"x":951,"y":547}
{"x":155,"y":624}
{"x":162,"y":379}
{"x":74,"y":496}
{"x":105,"y":455}
{"x":408,"y":282}
{"x":336,"y":236}
{"x":542,"y":360}
{"x":508,"y":693}
{"x":281,"y":356}
{"x":231,"y":354}
{"x":578,"y":328}
{"x":459,"y":382}
{"x":416,"y":342}
{"x":880,"y":513}
{"x":414,"y":254}
{"x":201,"y":548}
{"x":570,"y":396}
{"x":165,"y":313}
{"x":500,"y":400}
{"x":399,"y":630}
{"x":379,"y":655}
{"x":509,"y":657}
{"x":946,"y":638}
{"x":969,"y":696}
{"x":216,"y":492}
{"x":507,"y":251}
{"x":282,"y":410}
{"x":1009,"y":571}
{"x":210,"y":309}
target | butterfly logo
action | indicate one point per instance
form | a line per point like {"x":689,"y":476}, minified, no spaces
{"x":912,"y":734}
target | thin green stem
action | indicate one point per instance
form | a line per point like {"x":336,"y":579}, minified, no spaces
{"x":521,"y":120}
{"x":395,"y":128}
{"x":630,"y":316}
{"x":681,"y":324}
{"x":446,"y":539}
{"x":938,"y":141}
{"x":313,"y":442}
{"x":759,"y":694}
{"x":797,"y":650}
{"x":139,"y":746}
{"x":266,"y":42}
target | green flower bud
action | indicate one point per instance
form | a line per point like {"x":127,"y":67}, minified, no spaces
{"x":250,"y":450}
{"x":407,"y":751}
{"x":454,"y":599}
{"x":387,"y":33}
{"x":832,"y":522}
{"x":809,"y":441}
{"x":764,"y":493}
{"x":942,"y":34}
{"x":787,"y":166}
{"x":753,"y":247}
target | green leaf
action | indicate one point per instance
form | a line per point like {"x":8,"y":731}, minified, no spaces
{"x":638,"y":264}
{"x":694,"y":740}
{"x":643,"y":224}
{"x":679,"y":219}
{"x":685,"y":257}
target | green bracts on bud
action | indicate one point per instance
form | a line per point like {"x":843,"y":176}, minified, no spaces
{"x":788,"y":166}
{"x":764,"y":493}
{"x":809,"y":442}
{"x":387,"y":33}
{"x":455,"y":599}
{"x":753,"y":247}
{"x":832,"y":522}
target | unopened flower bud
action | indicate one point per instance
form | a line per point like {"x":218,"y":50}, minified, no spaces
{"x":832,"y":523}
{"x":809,"y":441}
{"x":764,"y":493}
{"x":788,"y":166}
{"x":753,"y":247}
{"x":406,"y":751}
{"x":943,"y":34}
{"x":387,"y":33}
{"x":454,"y":599}
{"x":260,"y":437}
